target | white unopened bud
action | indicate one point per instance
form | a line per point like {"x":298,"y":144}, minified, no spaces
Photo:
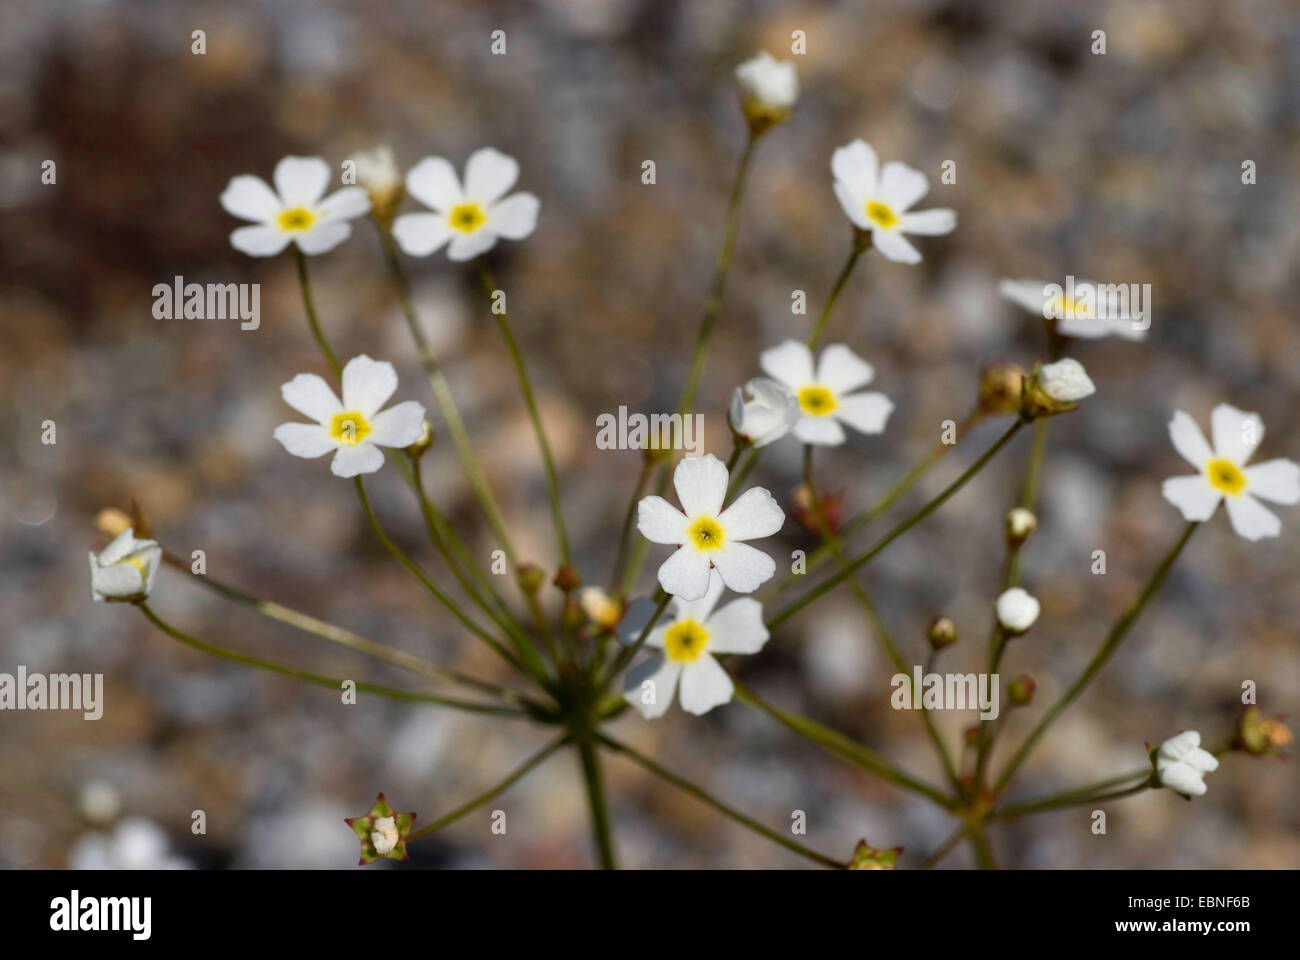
{"x":1020,"y":524}
{"x":1181,"y":764}
{"x":384,"y":835}
{"x":1065,"y":381}
{"x":1017,"y":610}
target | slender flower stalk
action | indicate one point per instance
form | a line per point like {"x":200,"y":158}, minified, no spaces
{"x":625,"y":655}
{"x":697,"y":792}
{"x":321,"y":680}
{"x":471,"y":805}
{"x":847,"y":570}
{"x":837,"y":743}
{"x":1105,"y":790}
{"x":855,"y":254}
{"x":530,"y":401}
{"x":1103,"y":654}
{"x":312,"y":319}
{"x":629,"y":521}
{"x":945,"y":848}
{"x":597,"y":804}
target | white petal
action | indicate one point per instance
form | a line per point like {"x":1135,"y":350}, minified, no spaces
{"x":855,"y":165}
{"x":1182,"y":778}
{"x":842,"y":370}
{"x":1236,"y":433}
{"x":789,"y":362}
{"x":867,"y":412}
{"x":301,"y":181}
{"x":1251,"y":519}
{"x":259,"y":241}
{"x":1189,"y":441}
{"x":250,"y":198}
{"x":420,"y":234}
{"x":1276,"y":480}
{"x":701,"y":484}
{"x":467,"y":246}
{"x":489,"y":173}
{"x":312,"y":397}
{"x":824,"y":431}
{"x":705,"y":685}
{"x":367,"y":385}
{"x":515,"y":217}
{"x":119,"y":580}
{"x":854,"y":207}
{"x":1029,"y":294}
{"x":661,"y":672}
{"x":1194,"y":497}
{"x":738,"y":627}
{"x":121,"y":546}
{"x":307,"y":440}
{"x":699,"y":610}
{"x":929,"y":223}
{"x":1180,"y":745}
{"x":894,"y":246}
{"x":660,"y":522}
{"x":685,"y":574}
{"x":323,"y":237}
{"x":901,"y":186}
{"x":352,"y":461}
{"x":1202,"y":760}
{"x":346,"y":204}
{"x":434,"y":183}
{"x":398,"y":426}
{"x":755,"y":513}
{"x":743,"y":568}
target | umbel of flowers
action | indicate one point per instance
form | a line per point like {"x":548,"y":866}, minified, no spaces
{"x":582,"y":655}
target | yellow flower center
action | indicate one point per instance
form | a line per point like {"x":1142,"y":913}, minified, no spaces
{"x":707,"y":534}
{"x":296,"y":219}
{"x":137,"y":562}
{"x":881,"y":215}
{"x":467,"y":217}
{"x":685,"y":641}
{"x":1226,"y":476}
{"x":817,"y":401}
{"x":349,"y":428}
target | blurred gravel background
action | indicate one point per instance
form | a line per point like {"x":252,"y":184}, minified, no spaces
{"x":1124,"y":167}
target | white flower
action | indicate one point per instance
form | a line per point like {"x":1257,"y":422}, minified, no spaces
{"x":771,"y":82}
{"x":686,"y":647}
{"x":1017,"y":610}
{"x":1065,"y":381}
{"x":708,"y":536}
{"x":384,"y":835}
{"x":294,"y":210}
{"x":878,"y":200}
{"x":825,"y":397}
{"x":126,"y":568}
{"x":1091,"y":313}
{"x":1181,"y":764}
{"x":471,"y":216}
{"x":354,"y":426}
{"x":1224,"y":476}
{"x":379,"y":175}
{"x":767,"y":416}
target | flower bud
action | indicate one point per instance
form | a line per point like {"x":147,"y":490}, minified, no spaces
{"x":867,"y":857}
{"x":383,"y":832}
{"x":566,"y":578}
{"x":770,"y":88}
{"x":941,"y":633}
{"x":1017,"y":610}
{"x":381,"y":178}
{"x":1261,"y":735}
{"x":1055,"y":388}
{"x":112,"y":521}
{"x":124,"y":570}
{"x":1000,"y":388}
{"x":530,"y":577}
{"x":418,"y":448}
{"x":1021,"y":690}
{"x":601,"y":609}
{"x":769,"y":414}
{"x":830,"y":504}
{"x":1020,"y":524}
{"x":572,"y":618}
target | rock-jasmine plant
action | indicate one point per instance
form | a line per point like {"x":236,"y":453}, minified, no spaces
{"x":574,"y":664}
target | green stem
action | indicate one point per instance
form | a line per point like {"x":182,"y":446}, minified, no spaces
{"x":625,"y":655}
{"x":629,"y":521}
{"x":482,"y":798}
{"x":934,"y":859}
{"x":842,"y":746}
{"x":1081,"y":795}
{"x":820,"y":329}
{"x":596,"y":803}
{"x":526,"y":387}
{"x":983,"y":852}
{"x":1104,"y":652}
{"x":700,"y":794}
{"x":321,"y":680}
{"x":847,"y":570}
{"x":312,"y":319}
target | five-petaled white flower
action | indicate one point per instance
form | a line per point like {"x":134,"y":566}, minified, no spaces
{"x":686,"y":646}
{"x":125,"y":569}
{"x":772,"y":83}
{"x":353,"y":426}
{"x":1093,"y":310}
{"x":825,"y":396}
{"x":294,"y":210}
{"x":767,"y":416}
{"x":471,"y":216}
{"x":708,"y":537}
{"x":878,"y":200}
{"x":1017,"y":609}
{"x":1181,"y":764}
{"x":1225,"y":476}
